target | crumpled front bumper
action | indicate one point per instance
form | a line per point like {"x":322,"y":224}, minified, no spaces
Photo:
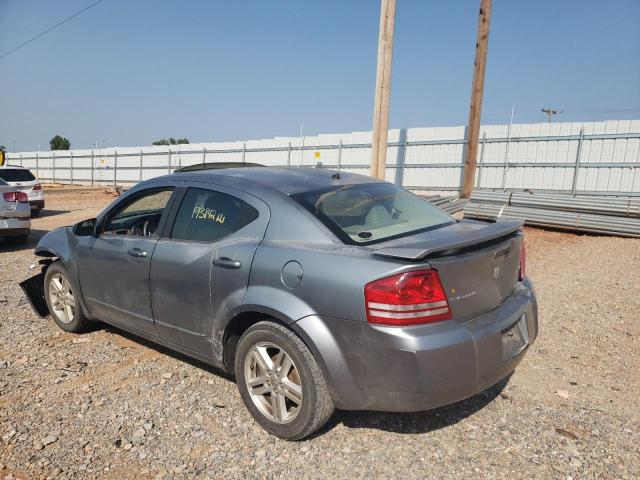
{"x":370,"y":367}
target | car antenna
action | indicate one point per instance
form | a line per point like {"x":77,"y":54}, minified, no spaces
{"x":336,"y":176}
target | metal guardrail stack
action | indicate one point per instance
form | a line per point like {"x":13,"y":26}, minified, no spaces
{"x":604,"y":215}
{"x":450,"y":205}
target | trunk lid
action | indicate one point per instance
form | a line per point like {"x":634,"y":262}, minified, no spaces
{"x":478,"y":263}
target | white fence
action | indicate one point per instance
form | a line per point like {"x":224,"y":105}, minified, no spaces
{"x":590,"y":157}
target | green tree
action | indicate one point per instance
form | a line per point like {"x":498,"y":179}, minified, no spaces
{"x":171,"y":141}
{"x":59,"y":143}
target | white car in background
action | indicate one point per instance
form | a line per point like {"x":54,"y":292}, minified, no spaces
{"x":15,"y":214}
{"x":22,"y":179}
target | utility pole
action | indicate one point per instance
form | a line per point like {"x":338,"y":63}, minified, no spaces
{"x":473,"y":126}
{"x":383,"y":90}
{"x":550,"y":112}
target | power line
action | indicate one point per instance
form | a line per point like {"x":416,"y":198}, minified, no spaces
{"x":24,"y":44}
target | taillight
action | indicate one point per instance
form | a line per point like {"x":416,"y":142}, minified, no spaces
{"x":407,"y":299}
{"x":523,"y":260}
{"x":37,"y":186}
{"x":12,"y":197}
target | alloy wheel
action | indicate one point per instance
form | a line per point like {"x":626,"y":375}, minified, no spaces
{"x":273,"y":381}
{"x":61,"y":298}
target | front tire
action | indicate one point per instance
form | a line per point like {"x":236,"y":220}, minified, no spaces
{"x":63,"y":304}
{"x":280,"y":382}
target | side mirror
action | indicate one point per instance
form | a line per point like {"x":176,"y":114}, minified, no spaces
{"x":85,"y":228}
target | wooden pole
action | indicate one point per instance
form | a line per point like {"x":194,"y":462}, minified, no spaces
{"x":473,"y":126}
{"x":383,"y":90}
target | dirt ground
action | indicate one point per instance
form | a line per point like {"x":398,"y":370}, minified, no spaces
{"x":107,"y":405}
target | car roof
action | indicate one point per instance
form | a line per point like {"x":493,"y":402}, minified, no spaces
{"x":288,"y":180}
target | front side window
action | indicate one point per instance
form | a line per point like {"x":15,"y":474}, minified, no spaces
{"x":16,"y":175}
{"x":208,"y":216}
{"x":140,"y":216}
{"x":372,"y":212}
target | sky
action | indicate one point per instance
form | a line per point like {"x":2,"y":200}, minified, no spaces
{"x":125,"y":73}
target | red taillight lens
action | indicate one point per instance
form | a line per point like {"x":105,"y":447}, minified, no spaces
{"x":15,"y":197}
{"x":405,"y":299}
{"x":37,"y":186}
{"x":523,"y":259}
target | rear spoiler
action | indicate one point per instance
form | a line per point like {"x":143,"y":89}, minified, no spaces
{"x":454,"y":237}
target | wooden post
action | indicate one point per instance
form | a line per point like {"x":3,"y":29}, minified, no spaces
{"x":473,"y":127}
{"x":383,"y":90}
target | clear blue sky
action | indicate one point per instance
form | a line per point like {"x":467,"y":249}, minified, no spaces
{"x":130,"y":72}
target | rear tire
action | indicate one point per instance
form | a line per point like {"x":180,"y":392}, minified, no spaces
{"x":280,"y":382}
{"x":63,"y":304}
{"x":36,"y":212}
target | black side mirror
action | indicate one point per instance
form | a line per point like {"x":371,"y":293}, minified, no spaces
{"x":85,"y":228}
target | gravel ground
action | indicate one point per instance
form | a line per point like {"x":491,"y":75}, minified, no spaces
{"x":107,"y":405}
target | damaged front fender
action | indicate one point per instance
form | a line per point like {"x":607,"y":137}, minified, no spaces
{"x":33,"y":288}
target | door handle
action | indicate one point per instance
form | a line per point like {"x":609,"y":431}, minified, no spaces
{"x":226,"y":262}
{"x":137,"y":253}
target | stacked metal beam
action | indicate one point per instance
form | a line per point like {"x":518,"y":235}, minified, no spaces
{"x":450,"y":205}
{"x":605,"y":215}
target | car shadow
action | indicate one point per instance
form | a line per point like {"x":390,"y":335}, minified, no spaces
{"x":34,"y":237}
{"x":418,"y":422}
{"x":165,"y":351}
{"x":48,"y":213}
{"x":405,"y":423}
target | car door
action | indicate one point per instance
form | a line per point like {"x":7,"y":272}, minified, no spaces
{"x":114,"y":266}
{"x":200,"y":268}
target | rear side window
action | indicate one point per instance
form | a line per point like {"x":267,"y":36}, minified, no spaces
{"x":208,"y":216}
{"x":16,"y":175}
{"x":372,"y":212}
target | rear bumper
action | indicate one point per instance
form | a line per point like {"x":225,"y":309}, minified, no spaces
{"x":14,"y":227}
{"x":417,"y":368}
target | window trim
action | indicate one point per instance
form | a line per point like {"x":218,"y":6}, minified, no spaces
{"x":342,"y":235}
{"x":119,"y":206}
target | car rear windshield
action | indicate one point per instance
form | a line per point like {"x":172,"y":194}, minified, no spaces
{"x":372,"y":212}
{"x":16,"y":175}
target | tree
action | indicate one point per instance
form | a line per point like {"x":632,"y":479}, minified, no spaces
{"x":171,"y":141}
{"x":59,"y":143}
